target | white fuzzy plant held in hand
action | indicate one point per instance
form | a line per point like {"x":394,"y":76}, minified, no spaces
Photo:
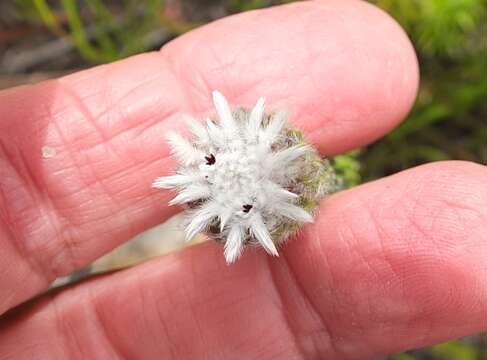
{"x":247,"y":178}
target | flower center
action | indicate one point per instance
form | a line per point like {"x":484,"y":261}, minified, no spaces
{"x":234,"y":179}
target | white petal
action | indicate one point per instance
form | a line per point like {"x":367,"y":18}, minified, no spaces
{"x":224,"y":217}
{"x":191,"y":193}
{"x":224,"y":113}
{"x":234,"y":244}
{"x":169,"y":182}
{"x":272,"y":131}
{"x":281,"y":159}
{"x":255,"y":119}
{"x":260,"y":231}
{"x":215,"y":133}
{"x":185,"y":152}
{"x":198,"y":129}
{"x":294,"y":212}
{"x":275,"y":191}
{"x":201,"y":219}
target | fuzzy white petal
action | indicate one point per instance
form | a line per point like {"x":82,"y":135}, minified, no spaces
{"x":271,"y":132}
{"x":169,"y":182}
{"x":281,"y":159}
{"x":227,"y":121}
{"x":234,"y":244}
{"x":295,"y":213}
{"x":255,"y":119}
{"x":183,"y":150}
{"x":198,"y":129}
{"x":215,"y":133}
{"x":201,"y":219}
{"x":191,"y":193}
{"x":277,"y":192}
{"x":260,"y":231}
{"x":225,"y":215}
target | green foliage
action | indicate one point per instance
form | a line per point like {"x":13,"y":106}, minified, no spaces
{"x":439,"y":27}
{"x":46,"y":15}
{"x":454,"y":350}
{"x":245,"y":5}
{"x":347,"y":168}
{"x":449,"y":118}
{"x":101,"y":34}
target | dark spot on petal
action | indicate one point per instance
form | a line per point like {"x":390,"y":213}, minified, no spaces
{"x":246,"y":208}
{"x":210,"y":160}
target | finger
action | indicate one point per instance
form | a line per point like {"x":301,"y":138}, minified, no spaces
{"x":102,"y":130}
{"x":391,"y":265}
{"x":402,"y":260}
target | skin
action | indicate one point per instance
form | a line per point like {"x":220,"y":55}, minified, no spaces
{"x":390,"y":265}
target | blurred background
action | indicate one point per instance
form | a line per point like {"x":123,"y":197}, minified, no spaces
{"x":41,"y":39}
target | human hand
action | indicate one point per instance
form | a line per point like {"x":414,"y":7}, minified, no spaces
{"x":390,"y":265}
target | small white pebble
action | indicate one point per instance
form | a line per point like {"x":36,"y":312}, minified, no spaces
{"x":48,"y":152}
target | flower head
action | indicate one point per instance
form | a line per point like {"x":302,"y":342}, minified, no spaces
{"x":246,"y":178}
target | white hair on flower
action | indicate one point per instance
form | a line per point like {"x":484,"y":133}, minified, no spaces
{"x":246,"y":178}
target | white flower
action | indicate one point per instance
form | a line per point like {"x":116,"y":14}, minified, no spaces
{"x":245,"y":178}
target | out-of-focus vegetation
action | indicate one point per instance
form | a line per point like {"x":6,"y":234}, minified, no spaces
{"x":449,"y":120}
{"x":102,"y":31}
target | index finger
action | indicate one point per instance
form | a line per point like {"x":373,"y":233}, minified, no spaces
{"x":346,"y":72}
